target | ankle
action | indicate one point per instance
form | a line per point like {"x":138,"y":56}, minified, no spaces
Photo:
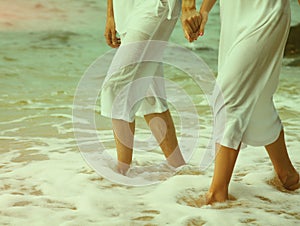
{"x":123,"y":167}
{"x":217,"y":195}
{"x":289,"y":179}
{"x":284,"y":174}
{"x":175,"y":159}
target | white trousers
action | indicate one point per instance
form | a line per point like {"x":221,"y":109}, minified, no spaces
{"x":132,"y":86}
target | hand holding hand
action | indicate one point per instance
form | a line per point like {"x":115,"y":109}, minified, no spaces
{"x":191,"y":21}
{"x":110,"y":33}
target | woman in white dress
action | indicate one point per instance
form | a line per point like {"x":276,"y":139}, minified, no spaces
{"x":252,"y":41}
{"x":136,"y":22}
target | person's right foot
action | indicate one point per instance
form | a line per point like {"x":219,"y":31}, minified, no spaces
{"x":123,"y":167}
{"x":290,"y":181}
{"x":212,"y":198}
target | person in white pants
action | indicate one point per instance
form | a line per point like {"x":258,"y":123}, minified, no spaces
{"x":137,"y":22}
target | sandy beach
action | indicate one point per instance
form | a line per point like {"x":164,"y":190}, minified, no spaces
{"x":46,"y":48}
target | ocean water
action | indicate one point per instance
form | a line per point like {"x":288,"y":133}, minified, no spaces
{"x":46,"y":47}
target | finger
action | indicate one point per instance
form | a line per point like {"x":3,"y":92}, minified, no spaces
{"x":119,"y":41}
{"x":194,"y":37}
{"x":110,"y":43}
{"x":115,"y":41}
{"x":198,"y":22}
{"x":189,"y":31}
{"x":107,"y":35}
{"x":187,"y":36}
{"x":111,"y":39}
{"x":108,"y":40}
{"x":190,"y":21}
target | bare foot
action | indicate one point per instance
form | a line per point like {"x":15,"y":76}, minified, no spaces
{"x":290,"y":181}
{"x":123,"y":168}
{"x":212,"y":198}
{"x":175,"y":159}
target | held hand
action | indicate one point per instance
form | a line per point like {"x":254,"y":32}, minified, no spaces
{"x":191,"y":21}
{"x":110,"y":33}
{"x":204,"y":18}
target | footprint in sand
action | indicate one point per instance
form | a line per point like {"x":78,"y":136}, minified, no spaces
{"x":239,"y":176}
{"x":248,"y":221}
{"x":192,"y":198}
{"x":22,"y":203}
{"x":189,"y":170}
{"x":147,"y":215}
{"x":197,"y":221}
{"x":263,"y":199}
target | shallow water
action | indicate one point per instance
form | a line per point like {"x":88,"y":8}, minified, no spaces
{"x":46,"y":46}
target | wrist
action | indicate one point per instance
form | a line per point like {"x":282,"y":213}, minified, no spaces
{"x":188,"y":5}
{"x":207,"y":6}
{"x":110,"y":14}
{"x":204,"y":12}
{"x":110,"y":9}
{"x":187,"y":9}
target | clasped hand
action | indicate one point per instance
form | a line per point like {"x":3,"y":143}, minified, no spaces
{"x":193,"y":24}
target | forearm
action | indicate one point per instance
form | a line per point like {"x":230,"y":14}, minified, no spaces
{"x":110,"y":9}
{"x":188,"y":5}
{"x":207,"y":5}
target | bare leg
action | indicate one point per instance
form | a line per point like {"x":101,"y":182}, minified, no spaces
{"x":282,"y":163}
{"x":224,"y":164}
{"x":124,"y":134}
{"x":162,"y":127}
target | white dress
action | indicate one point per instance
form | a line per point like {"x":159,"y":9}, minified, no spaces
{"x":252,"y":41}
{"x":132,"y":88}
